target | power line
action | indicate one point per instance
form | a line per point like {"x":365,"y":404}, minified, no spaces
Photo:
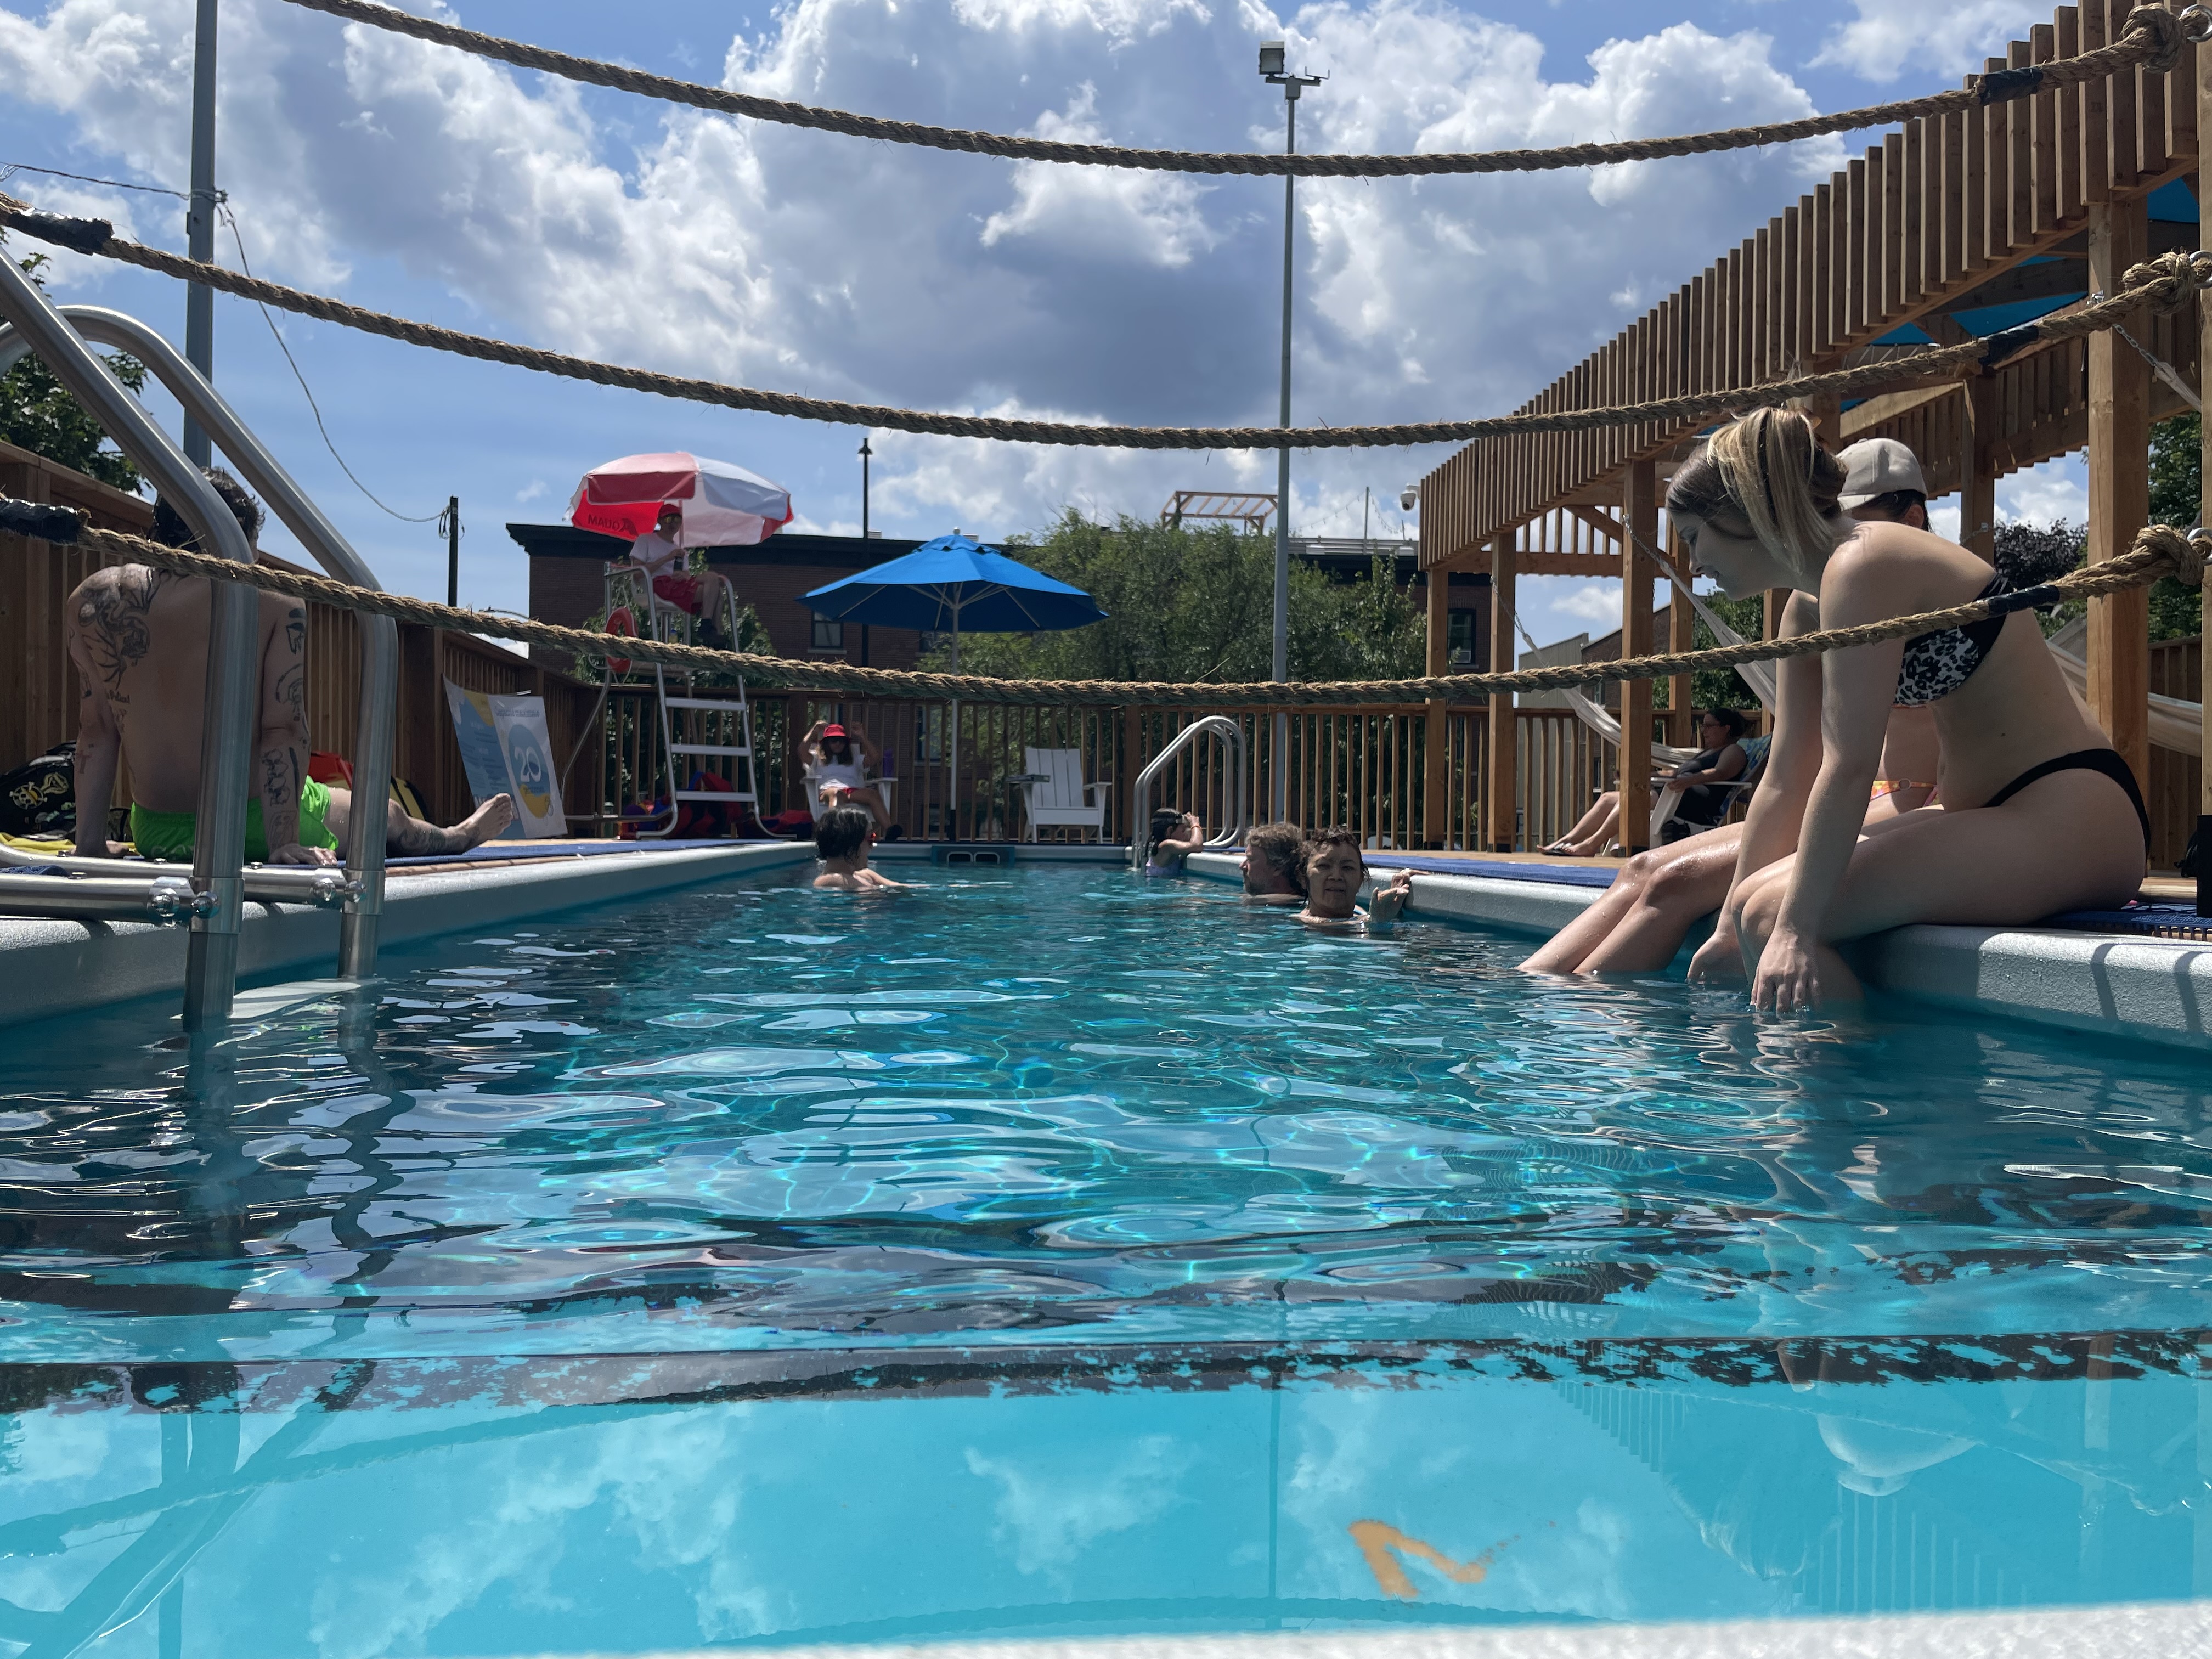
{"x":9,"y":169}
{"x":231,"y":219}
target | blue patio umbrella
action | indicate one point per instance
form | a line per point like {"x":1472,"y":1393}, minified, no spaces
{"x":951,"y":584}
{"x":954,"y":585}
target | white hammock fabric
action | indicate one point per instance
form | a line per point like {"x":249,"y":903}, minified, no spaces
{"x":2174,"y":724}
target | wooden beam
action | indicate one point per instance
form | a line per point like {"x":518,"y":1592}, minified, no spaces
{"x":1435,"y":758}
{"x":2119,"y":495}
{"x":1505,"y":741}
{"x":2203,"y":123}
{"x":1979,"y":411}
{"x":1681,"y":635}
{"x":1862,"y":418}
{"x":1639,"y":514}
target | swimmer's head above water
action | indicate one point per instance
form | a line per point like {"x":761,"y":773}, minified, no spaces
{"x":841,"y":836}
{"x":1336,"y":869}
{"x":1274,"y":861}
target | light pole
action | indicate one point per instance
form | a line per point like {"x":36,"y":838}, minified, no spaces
{"x":199,"y":220}
{"x":864,"y":452}
{"x":1273,"y":69}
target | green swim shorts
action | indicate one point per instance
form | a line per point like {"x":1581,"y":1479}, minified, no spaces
{"x":169,"y":835}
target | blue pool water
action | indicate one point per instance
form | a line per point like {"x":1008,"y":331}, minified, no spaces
{"x":1057,"y":1252}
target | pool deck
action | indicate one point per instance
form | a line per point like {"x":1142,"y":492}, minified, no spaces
{"x":2120,"y":984}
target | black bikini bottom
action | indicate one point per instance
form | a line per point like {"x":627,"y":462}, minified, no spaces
{"x":2106,"y":761}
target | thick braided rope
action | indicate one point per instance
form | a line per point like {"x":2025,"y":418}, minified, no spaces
{"x":2165,"y":283}
{"x":2158,"y":551}
{"x":2153,"y":37}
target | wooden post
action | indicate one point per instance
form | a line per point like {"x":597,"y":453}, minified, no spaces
{"x":1681,"y":635}
{"x":2120,"y":495}
{"x":1980,"y":417}
{"x":1436,"y":759}
{"x":2203,"y":57}
{"x":1504,"y":739}
{"x":1639,"y":517}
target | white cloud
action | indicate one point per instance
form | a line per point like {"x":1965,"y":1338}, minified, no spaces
{"x":620,"y":228}
{"x":1890,"y":36}
{"x":2056,"y":490}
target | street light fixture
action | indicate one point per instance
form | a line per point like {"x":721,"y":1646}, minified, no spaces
{"x":1275,"y":69}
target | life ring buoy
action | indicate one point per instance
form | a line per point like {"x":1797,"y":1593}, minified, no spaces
{"x":619,"y":621}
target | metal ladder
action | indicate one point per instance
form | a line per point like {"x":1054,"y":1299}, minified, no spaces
{"x":1231,"y":738}
{"x":693,"y":726}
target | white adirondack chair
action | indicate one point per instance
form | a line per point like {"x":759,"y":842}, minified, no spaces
{"x":1057,"y":795}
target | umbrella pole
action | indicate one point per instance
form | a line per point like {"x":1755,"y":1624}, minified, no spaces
{"x":952,"y":792}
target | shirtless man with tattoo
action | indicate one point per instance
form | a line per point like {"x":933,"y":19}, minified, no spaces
{"x":139,"y":638}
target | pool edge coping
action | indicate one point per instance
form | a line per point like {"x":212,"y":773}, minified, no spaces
{"x":2112,"y":984}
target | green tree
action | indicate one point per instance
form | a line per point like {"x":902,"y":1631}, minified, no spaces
{"x":2177,"y":493}
{"x":1724,"y":688}
{"x":1190,"y":606}
{"x":37,"y":413}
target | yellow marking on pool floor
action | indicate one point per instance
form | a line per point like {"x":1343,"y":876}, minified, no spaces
{"x":1376,"y":1539}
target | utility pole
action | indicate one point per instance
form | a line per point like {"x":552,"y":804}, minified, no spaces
{"x":199,"y":222}
{"x":1275,"y":69}
{"x":450,"y":522}
{"x":864,"y":452}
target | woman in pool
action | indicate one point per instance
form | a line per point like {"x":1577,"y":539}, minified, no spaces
{"x":1335,"y":870}
{"x":2039,"y":814}
{"x":1175,"y":837}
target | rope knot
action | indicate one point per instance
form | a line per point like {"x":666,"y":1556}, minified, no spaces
{"x":2183,"y":556}
{"x":2167,"y":282}
{"x":2167,"y":38}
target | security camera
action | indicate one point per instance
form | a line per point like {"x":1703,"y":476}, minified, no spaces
{"x":1272,"y":57}
{"x":1410,"y":497}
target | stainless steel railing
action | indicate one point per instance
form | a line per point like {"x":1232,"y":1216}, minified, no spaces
{"x":1231,"y":736}
{"x":233,"y":659}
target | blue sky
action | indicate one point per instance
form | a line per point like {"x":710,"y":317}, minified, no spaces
{"x":410,"y":179}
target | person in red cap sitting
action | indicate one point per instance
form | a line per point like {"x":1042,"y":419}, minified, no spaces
{"x":839,"y":773}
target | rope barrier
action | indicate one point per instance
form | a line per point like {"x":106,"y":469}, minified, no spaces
{"x":2166,"y":284}
{"x":2158,"y":550}
{"x":2153,"y":38}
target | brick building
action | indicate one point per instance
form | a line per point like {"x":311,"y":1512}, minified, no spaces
{"x":567,"y":568}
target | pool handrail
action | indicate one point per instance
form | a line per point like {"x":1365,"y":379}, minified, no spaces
{"x":1232,"y":738}
{"x":263,"y":474}
{"x":233,"y":641}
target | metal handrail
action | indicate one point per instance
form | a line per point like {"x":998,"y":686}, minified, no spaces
{"x":273,"y":883}
{"x":1232,"y":738}
{"x":165,"y":899}
{"x":363,"y":888}
{"x":233,"y":640}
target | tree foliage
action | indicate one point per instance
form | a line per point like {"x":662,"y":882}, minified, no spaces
{"x":1194,"y":605}
{"x":39,"y":413}
{"x":1724,"y":688}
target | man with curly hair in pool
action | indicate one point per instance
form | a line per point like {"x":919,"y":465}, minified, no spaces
{"x":1274,"y":864}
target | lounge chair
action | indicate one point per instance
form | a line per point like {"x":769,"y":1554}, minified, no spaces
{"x":1057,"y":796}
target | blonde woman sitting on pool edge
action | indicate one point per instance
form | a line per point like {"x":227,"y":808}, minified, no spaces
{"x":2038,"y":813}
{"x":1335,"y":870}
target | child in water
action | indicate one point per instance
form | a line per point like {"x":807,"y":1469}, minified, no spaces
{"x":841,"y":836}
{"x":1335,"y":870}
{"x":1175,"y":837}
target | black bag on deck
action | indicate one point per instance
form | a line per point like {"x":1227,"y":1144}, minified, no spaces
{"x":39,"y":798}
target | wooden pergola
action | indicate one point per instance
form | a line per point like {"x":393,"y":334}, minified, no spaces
{"x":1951,"y":227}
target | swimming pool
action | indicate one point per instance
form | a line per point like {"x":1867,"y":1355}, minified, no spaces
{"x":1054,"y":1252}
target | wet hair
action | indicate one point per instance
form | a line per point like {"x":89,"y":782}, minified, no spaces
{"x":1281,"y":847}
{"x":1731,"y":718}
{"x":1768,"y":477}
{"x":841,"y":832}
{"x":1318,"y":842}
{"x":1165,"y":822}
{"x":171,"y":529}
{"x":1894,"y":505}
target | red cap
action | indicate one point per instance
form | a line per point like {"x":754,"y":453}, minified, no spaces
{"x":834,"y":730}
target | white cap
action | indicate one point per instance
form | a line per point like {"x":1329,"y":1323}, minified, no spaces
{"x":1877,"y":466}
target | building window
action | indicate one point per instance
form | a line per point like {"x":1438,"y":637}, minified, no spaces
{"x":828,"y":635}
{"x":1459,"y":640}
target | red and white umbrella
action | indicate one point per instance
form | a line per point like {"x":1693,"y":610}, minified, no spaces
{"x":722,"y":505}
